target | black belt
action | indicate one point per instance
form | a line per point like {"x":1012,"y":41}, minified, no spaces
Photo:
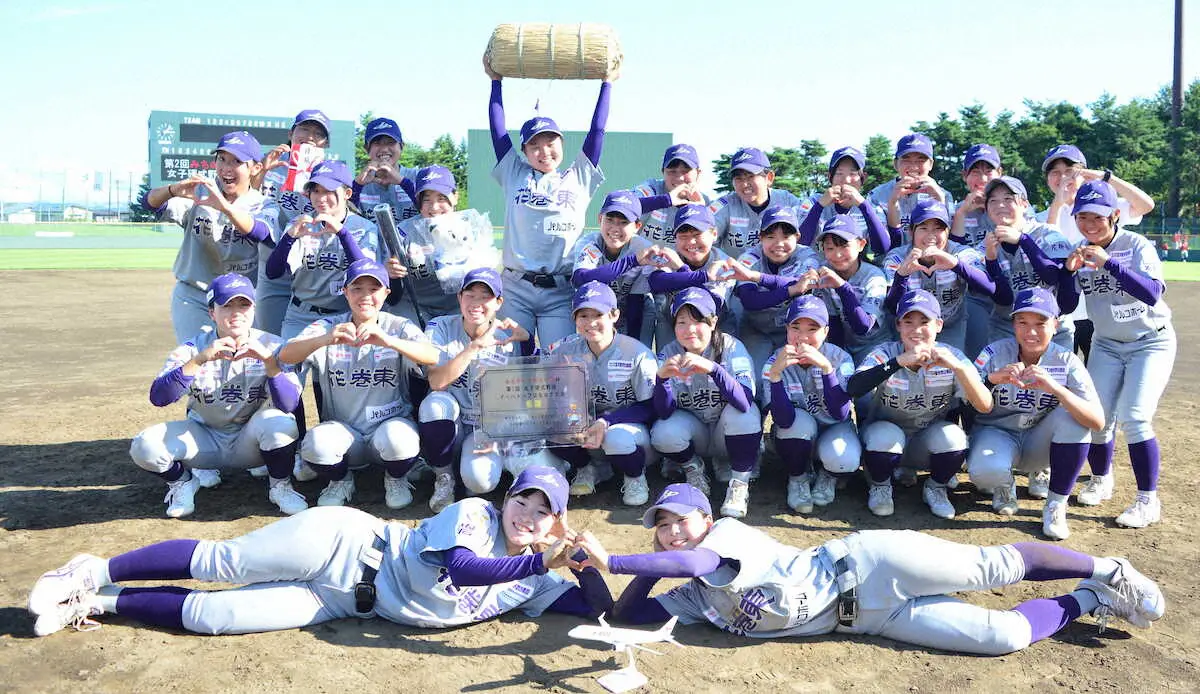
{"x":541,"y":279}
{"x":364,"y":590}
{"x":847,"y":604}
{"x":315,"y":309}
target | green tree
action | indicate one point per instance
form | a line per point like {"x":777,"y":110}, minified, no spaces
{"x":880,"y":167}
{"x":445,"y":152}
{"x":137,"y":213}
{"x":800,"y":170}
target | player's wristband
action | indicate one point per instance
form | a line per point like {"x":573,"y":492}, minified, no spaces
{"x":892,"y":366}
{"x":1107,"y":175}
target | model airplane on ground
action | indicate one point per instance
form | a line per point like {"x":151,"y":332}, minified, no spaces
{"x":625,"y":640}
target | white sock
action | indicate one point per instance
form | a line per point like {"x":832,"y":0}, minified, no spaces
{"x":106,"y":598}
{"x":99,"y":571}
{"x":743,"y":477}
{"x":1055,"y":496}
{"x":1105,"y":569}
{"x":1088,"y":602}
{"x":1152,"y":496}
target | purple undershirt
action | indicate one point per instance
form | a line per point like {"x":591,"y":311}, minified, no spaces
{"x":277,"y":262}
{"x":771,"y":291}
{"x":169,"y":387}
{"x":664,"y":398}
{"x":734,"y":393}
{"x":683,"y":563}
{"x":285,"y":392}
{"x":1144,"y":288}
{"x":1046,"y":269}
{"x":1004,"y":293}
{"x":662,"y":281}
{"x":856,"y":316}
{"x":640,"y":412}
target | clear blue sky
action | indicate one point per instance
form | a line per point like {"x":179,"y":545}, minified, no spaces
{"x":82,"y":77}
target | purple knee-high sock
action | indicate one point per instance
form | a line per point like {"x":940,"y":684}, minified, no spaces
{"x":280,"y":461}
{"x":160,"y":606}
{"x":880,"y":465}
{"x":399,"y":468}
{"x":796,"y":455}
{"x":161,"y":561}
{"x":1046,"y":616}
{"x":1066,"y":462}
{"x":437,"y":441}
{"x":1046,"y":562}
{"x":742,"y":450}
{"x":174,"y":472}
{"x":943,"y":466}
{"x":332,"y":473}
{"x":1145,"y":458}
{"x":630,"y":464}
{"x":575,"y":456}
{"x":1100,"y":457}
{"x":683,"y":456}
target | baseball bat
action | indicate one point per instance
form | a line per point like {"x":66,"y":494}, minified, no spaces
{"x":391,"y":238}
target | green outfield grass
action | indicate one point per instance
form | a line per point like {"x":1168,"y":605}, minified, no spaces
{"x":86,"y":229}
{"x":1181,"y":272}
{"x":87,"y":259}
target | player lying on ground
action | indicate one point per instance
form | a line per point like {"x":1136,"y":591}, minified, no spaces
{"x":893,"y":583}
{"x":468,"y":563}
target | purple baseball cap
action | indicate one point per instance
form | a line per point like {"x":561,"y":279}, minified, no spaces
{"x":536,"y":126}
{"x":749,"y":159}
{"x":841,"y":153}
{"x":624,"y":203}
{"x":679,"y":498}
{"x":365,"y":267}
{"x":699,"y":297}
{"x":929,"y":209}
{"x":1014,"y":185}
{"x":808,"y":306}
{"x":914,"y":142}
{"x":229,"y":286}
{"x":978,"y":153}
{"x":314,"y":115}
{"x":484,"y":275}
{"x":546,"y":480}
{"x":1095,"y":196}
{"x":332,"y":174}
{"x":696,"y":216}
{"x":380,"y":127}
{"x":1069,"y":152}
{"x":436,"y":178}
{"x":596,"y":295}
{"x":1036,"y":300}
{"x":919,"y":300}
{"x":240,"y":144}
{"x":841,"y":225}
{"x":779,"y":214}
{"x":684,"y":153}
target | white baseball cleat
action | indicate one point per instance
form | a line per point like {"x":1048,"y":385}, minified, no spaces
{"x":799,"y":493}
{"x":259,"y":472}
{"x":936,"y":498}
{"x":1054,"y":520}
{"x":302,"y":471}
{"x":443,"y":492}
{"x":286,"y":498}
{"x":1039,"y":484}
{"x":693,"y":473}
{"x":635,"y":491}
{"x":1097,"y":490}
{"x":75,"y":612}
{"x":181,"y":497}
{"x":207,"y":478}
{"x":824,"y":489}
{"x":337,"y":492}
{"x":397,"y":491}
{"x":737,"y":499}
{"x":1144,"y":511}
{"x":1004,"y":499}
{"x":584,"y":482}
{"x":76,"y":577}
{"x":1144,"y":594}
{"x":879,"y":499}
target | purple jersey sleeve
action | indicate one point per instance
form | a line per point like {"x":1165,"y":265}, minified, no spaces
{"x":594,"y":142}
{"x":501,"y":142}
{"x":169,"y":387}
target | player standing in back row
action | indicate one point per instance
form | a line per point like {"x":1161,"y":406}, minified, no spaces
{"x":545,"y":212}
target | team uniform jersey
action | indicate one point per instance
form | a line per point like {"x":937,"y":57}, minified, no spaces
{"x":544,"y":213}
{"x":225,"y":393}
{"x":912,"y":399}
{"x":659,"y":226}
{"x":621,"y":375}
{"x":447,"y":334}
{"x":721,"y":288}
{"x":413,"y":588}
{"x":590,"y":253}
{"x":363,"y":386}
{"x":828,"y":213}
{"x":947,"y":285}
{"x":738,"y":224}
{"x":318,"y":263}
{"x":804,"y":383}
{"x":977,"y":224}
{"x":403,"y":206}
{"x":773,"y":319}
{"x":879,"y":197}
{"x":1019,"y":409}
{"x":211,"y":244}
{"x":1019,"y":270}
{"x":775,"y":590}
{"x":1115,"y":314}
{"x":870,"y":285}
{"x":699,"y":394}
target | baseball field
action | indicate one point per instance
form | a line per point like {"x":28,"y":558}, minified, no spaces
{"x":78,"y":350}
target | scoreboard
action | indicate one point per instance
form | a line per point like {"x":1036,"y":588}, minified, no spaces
{"x":181,"y":143}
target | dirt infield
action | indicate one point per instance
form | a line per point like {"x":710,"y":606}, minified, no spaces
{"x":76,"y":361}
